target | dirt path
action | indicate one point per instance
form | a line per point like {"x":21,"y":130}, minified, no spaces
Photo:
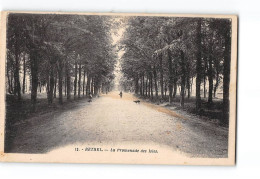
{"x":109,"y":119}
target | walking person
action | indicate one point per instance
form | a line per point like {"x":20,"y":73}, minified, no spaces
{"x":90,"y":97}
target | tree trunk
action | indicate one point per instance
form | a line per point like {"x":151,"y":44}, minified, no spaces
{"x":10,"y":76}
{"x":170,"y":85}
{"x":204,"y":79}
{"x":143,"y":85}
{"x":188,"y":87}
{"x":136,"y":85}
{"x":198,"y":66}
{"x":204,"y":85}
{"x":92,"y":85}
{"x":216,"y":84}
{"x":88,"y":84}
{"x":165,"y":89}
{"x":79,"y":82}
{"x":174,"y":87}
{"x":34,"y":79}
{"x":161,"y":76}
{"x":75,"y":79}
{"x":151,"y":84}
{"x":155,"y":82}
{"x":65,"y":84}
{"x":17,"y":87}
{"x":40,"y":87}
{"x":210,"y":74}
{"x":12,"y":81}
{"x":68,"y":80}
{"x":191,"y":86}
{"x":55,"y":86}
{"x":60,"y":72}
{"x":183,"y":79}
{"x":175,"y":79}
{"x":226,"y":76}
{"x":95,"y":87}
{"x":50,"y":87}
{"x":84,"y":78}
{"x":24,"y":74}
{"x":188,"y":81}
{"x":146,"y":87}
{"x":10,"y":91}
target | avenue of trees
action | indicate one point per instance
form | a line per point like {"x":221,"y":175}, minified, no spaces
{"x":164,"y":53}
{"x":67,"y":55}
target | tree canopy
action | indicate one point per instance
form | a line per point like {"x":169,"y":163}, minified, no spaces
{"x":172,"y":51}
{"x":54,"y":49}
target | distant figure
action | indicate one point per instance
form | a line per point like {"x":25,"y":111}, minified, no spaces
{"x":121,"y":94}
{"x":90,"y":97}
{"x":137,"y":101}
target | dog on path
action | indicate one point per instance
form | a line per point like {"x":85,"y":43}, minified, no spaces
{"x":137,"y":101}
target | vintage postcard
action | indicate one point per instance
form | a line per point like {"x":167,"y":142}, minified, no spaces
{"x":118,"y":88}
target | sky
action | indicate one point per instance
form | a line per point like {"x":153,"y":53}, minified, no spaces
{"x":117,"y":35}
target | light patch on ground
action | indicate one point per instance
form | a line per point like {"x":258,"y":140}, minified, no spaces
{"x":130,"y":97}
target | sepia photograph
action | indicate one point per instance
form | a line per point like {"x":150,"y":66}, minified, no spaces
{"x":118,"y":88}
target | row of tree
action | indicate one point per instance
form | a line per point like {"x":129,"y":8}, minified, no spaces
{"x":161,"y":53}
{"x":69,"y":52}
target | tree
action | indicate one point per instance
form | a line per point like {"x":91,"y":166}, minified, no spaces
{"x":51,"y":45}
{"x":198,"y":65}
{"x":223,"y":30}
